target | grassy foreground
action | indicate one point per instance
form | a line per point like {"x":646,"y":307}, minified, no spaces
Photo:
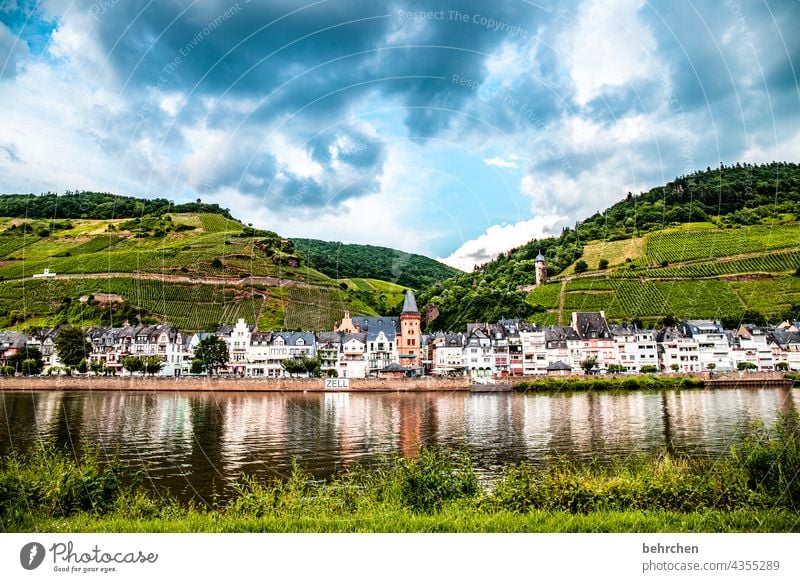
{"x":755,"y":489}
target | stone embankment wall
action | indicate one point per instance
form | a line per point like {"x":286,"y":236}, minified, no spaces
{"x":200,"y":384}
{"x":425,"y":384}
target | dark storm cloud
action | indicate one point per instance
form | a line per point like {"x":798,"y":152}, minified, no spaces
{"x":299,"y":65}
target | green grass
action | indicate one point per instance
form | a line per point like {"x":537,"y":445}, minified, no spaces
{"x":753,"y":489}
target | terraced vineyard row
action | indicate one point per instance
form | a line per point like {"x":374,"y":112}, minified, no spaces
{"x":218,"y":223}
{"x":547,"y":296}
{"x":642,"y":299}
{"x":313,"y":309}
{"x":772,"y":263}
{"x":682,"y":245}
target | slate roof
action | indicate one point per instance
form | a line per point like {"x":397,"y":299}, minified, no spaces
{"x":372,"y":326}
{"x":410,"y":303}
{"x":291,"y":337}
{"x":591,"y":325}
{"x":559,"y":366}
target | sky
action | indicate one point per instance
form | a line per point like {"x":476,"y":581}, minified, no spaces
{"x":454,"y":129}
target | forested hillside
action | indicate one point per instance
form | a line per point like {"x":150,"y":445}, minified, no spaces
{"x":734,"y":222}
{"x":95,"y":205}
{"x":340,"y":260}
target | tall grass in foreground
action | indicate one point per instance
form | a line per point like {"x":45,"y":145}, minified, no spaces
{"x":755,"y":488}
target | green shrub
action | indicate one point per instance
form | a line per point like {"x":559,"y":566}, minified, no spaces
{"x":435,"y":477}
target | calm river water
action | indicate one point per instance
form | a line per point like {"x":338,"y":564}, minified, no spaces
{"x":196,"y":443}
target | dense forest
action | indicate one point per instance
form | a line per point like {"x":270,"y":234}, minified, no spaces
{"x":729,"y":196}
{"x":95,"y":205}
{"x":339,"y":260}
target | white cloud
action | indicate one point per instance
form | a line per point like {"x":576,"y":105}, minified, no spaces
{"x":608,"y":47}
{"x":506,"y":164}
{"x":500,"y":238}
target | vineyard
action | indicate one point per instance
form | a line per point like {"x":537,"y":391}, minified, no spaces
{"x":777,"y":262}
{"x":546,"y":295}
{"x":218,"y":223}
{"x":685,"y":245}
{"x":313,"y":309}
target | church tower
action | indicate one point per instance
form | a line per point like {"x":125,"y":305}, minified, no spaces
{"x":541,"y":269}
{"x":409,"y":346}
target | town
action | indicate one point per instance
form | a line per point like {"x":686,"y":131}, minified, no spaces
{"x":365,"y":347}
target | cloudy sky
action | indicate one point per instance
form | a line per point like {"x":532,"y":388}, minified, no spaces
{"x":453,"y":128}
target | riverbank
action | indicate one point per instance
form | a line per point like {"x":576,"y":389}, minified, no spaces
{"x":421,"y":384}
{"x":753,"y":489}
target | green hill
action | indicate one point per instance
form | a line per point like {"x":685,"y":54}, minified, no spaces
{"x":339,"y":260}
{"x":192,"y":265}
{"x":717,"y":243}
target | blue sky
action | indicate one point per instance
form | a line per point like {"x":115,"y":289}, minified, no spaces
{"x":456,"y":129}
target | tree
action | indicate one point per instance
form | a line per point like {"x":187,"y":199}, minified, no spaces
{"x":648,"y":369}
{"x":83,"y":366}
{"x":746,"y":366}
{"x":711,"y":366}
{"x":669,"y":321}
{"x":588,"y":364}
{"x":30,"y":367}
{"x":72,"y":346}
{"x":152,"y":365}
{"x":675,"y":367}
{"x":603,"y":264}
{"x":23,"y":355}
{"x":581,"y":266}
{"x":131,"y":363}
{"x":213,"y":351}
{"x":782,"y":366}
{"x":616,"y":368}
{"x":97,"y":367}
{"x":216,"y":264}
{"x":197,"y":367}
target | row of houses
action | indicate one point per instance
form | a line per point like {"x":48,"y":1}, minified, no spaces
{"x":512,"y":348}
{"x":361,"y":347}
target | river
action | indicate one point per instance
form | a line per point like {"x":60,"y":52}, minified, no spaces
{"x":195,"y":444}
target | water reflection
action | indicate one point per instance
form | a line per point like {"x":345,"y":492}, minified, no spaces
{"x":196,"y":444}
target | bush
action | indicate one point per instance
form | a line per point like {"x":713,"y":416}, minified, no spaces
{"x":581,"y":266}
{"x":603,"y":264}
{"x":649,"y":369}
{"x":436,"y":477}
{"x":217,"y":264}
{"x":7,"y":371}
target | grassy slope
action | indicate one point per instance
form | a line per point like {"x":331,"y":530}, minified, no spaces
{"x":89,"y":248}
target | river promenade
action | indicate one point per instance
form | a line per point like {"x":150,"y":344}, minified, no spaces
{"x":421,"y":384}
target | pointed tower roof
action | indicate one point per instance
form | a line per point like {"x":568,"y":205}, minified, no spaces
{"x":540,"y":257}
{"x":410,"y":303}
